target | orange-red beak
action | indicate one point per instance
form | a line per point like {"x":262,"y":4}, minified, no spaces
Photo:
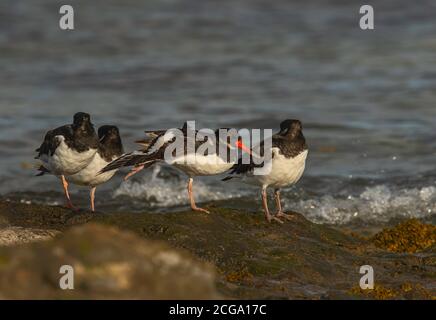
{"x":240,"y":145}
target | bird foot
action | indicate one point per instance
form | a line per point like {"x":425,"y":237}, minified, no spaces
{"x":281,"y":214}
{"x":200,"y":209}
{"x":71,"y":207}
{"x":271,"y":218}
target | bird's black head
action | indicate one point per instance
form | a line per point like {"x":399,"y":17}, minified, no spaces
{"x":226,"y":135}
{"x":232,"y":139}
{"x":291,"y":128}
{"x":110,"y":139}
{"x":82,"y":123}
{"x":108,"y":133}
{"x":81,"y":118}
{"x":83,"y":128}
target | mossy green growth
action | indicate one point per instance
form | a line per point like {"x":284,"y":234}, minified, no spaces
{"x":409,"y":236}
{"x":406,"y":290}
{"x":256,"y":259}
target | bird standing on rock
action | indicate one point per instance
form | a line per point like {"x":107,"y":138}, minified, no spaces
{"x":192,"y":163}
{"x":68,"y":149}
{"x":110,"y":148}
{"x":288,"y":160}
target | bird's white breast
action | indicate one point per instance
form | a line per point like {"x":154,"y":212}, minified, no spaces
{"x":66,"y":161}
{"x":284,"y":171}
{"x":89,"y":176}
{"x":201,"y":165}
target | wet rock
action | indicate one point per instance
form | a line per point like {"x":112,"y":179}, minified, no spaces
{"x":17,"y":235}
{"x":40,"y":216}
{"x":255,"y":259}
{"x":405,"y":291}
{"x":108,"y":263}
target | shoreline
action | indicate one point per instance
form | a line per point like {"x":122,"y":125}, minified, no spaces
{"x":251,"y":258}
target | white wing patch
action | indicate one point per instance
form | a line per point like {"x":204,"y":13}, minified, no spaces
{"x":168,"y":136}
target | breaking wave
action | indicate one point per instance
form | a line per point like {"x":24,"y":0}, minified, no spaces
{"x":163,"y":187}
{"x":375,"y":204}
{"x":166,"y":187}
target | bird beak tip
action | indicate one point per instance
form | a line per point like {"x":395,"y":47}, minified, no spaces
{"x":240,"y":145}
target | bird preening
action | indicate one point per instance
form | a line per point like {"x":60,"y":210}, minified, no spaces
{"x":76,"y":153}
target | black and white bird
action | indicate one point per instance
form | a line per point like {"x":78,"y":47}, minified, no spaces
{"x":191,"y":163}
{"x":288,"y":161}
{"x":110,"y":148}
{"x":68,"y":149}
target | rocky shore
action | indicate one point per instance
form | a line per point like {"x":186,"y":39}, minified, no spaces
{"x":226,"y":254}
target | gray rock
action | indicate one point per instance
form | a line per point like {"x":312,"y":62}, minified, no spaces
{"x":254,"y":259}
{"x":18,"y":235}
{"x":108,"y":264}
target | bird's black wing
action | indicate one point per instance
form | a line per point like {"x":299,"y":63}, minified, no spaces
{"x":243,"y":168}
{"x":153,"y":152}
{"x":50,"y":143}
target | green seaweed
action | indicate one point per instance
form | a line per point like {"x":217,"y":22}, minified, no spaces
{"x":257,"y":259}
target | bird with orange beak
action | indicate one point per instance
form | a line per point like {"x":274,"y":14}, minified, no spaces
{"x":192,"y":161}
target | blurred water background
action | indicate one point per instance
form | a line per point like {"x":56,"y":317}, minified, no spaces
{"x":367,"y":99}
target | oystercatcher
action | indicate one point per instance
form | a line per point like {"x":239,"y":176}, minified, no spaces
{"x":110,"y":148}
{"x":288,"y":160}
{"x":192,"y":163}
{"x":144,"y":158}
{"x":68,"y":149}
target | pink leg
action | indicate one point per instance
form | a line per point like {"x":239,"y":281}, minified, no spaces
{"x":92,"y":197}
{"x":269,"y":217}
{"x":280,"y":213}
{"x":191,"y":198}
{"x":66,"y":193}
{"x":134,"y":171}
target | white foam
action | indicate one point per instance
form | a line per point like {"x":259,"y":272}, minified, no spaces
{"x":375,"y":204}
{"x":165,"y":187}
{"x":159,"y":190}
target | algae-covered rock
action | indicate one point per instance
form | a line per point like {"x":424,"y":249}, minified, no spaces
{"x":108,"y":263}
{"x":41,"y":216}
{"x":404,"y":291}
{"x":408,"y":236}
{"x":254,"y":259}
{"x":17,"y":235}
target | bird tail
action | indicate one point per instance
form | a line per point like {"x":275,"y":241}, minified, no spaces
{"x":232,"y":173}
{"x":145,"y":143}
{"x":131,"y":159}
{"x":42,"y":171}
